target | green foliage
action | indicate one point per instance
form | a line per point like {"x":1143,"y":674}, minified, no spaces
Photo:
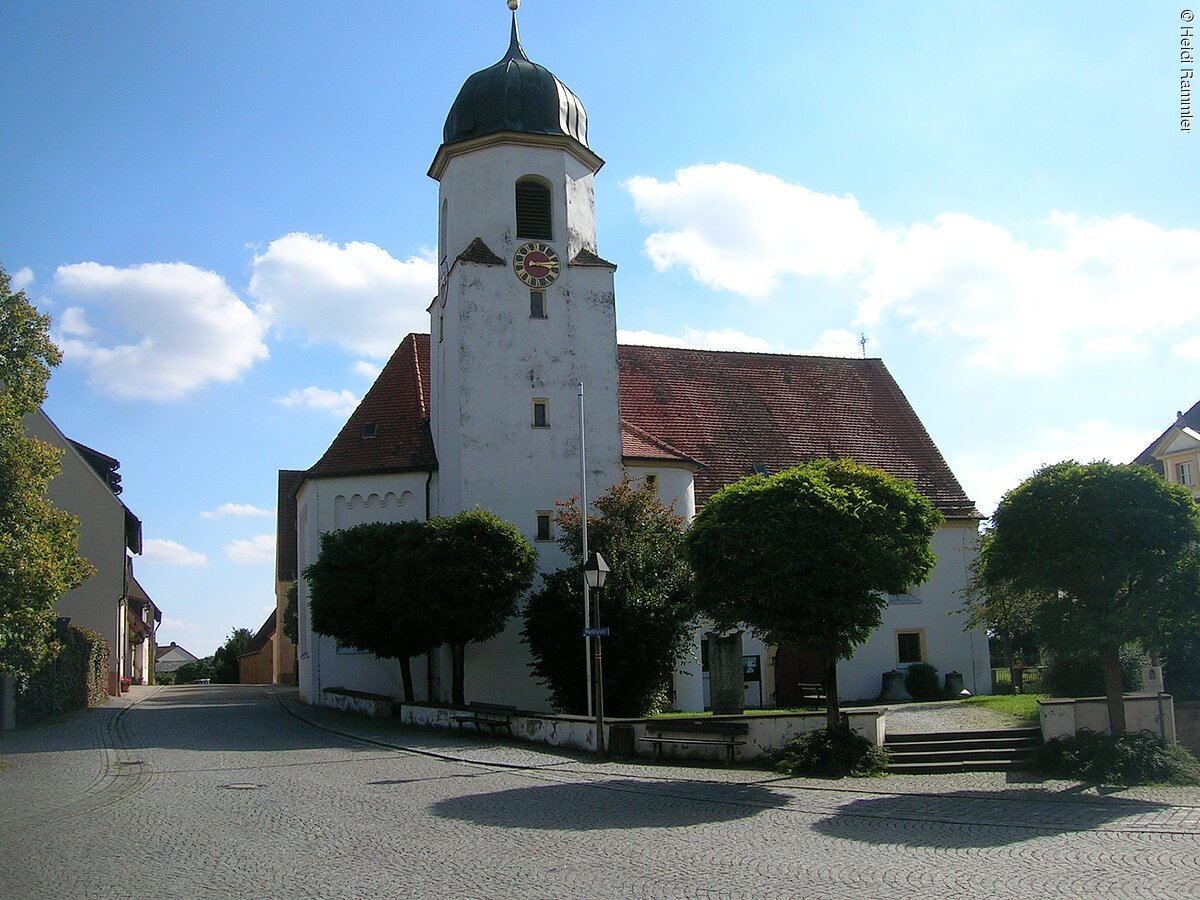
{"x":1124,"y":759}
{"x":76,"y":678}
{"x":368,"y":590}
{"x":832,"y":754}
{"x":291,"y":623}
{"x":190,"y":673}
{"x":646,"y":602}
{"x":1092,"y":557}
{"x":1080,"y":674}
{"x":1181,"y":669}
{"x":478,"y":566}
{"x":921,"y":681}
{"x":39,"y":557}
{"x":226,"y":668}
{"x":806,"y":557}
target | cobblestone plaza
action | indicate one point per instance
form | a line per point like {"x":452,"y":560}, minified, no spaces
{"x":230,"y":791}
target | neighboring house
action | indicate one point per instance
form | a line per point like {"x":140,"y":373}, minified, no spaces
{"x":256,"y":664}
{"x":87,"y":487}
{"x":484,"y":412}
{"x":1176,"y":454}
{"x":171,"y":657}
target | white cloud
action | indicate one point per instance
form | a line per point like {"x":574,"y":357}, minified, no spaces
{"x":21,"y":279}
{"x":172,"y":328}
{"x":836,"y":342}
{"x":1189,"y":349}
{"x":237,"y":509}
{"x":255,"y":550}
{"x":1100,"y":287}
{"x":695,"y":339}
{"x":986,"y":478}
{"x":367,"y":369}
{"x":74,"y":322}
{"x":743,"y":231}
{"x":356,"y":295}
{"x":178,"y":625}
{"x":339,"y":403}
{"x":171,"y":553}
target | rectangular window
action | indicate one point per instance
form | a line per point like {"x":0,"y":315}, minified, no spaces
{"x":652,"y":481}
{"x":541,"y":414}
{"x":909,"y":647}
{"x":1184,"y":471}
{"x":537,"y":304}
{"x":545,"y":527}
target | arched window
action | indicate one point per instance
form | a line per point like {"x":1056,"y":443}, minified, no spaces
{"x":533,"y":210}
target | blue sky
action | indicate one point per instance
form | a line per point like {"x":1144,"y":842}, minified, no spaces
{"x":225,"y":209}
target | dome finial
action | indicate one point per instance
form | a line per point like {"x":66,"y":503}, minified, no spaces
{"x":515,"y":50}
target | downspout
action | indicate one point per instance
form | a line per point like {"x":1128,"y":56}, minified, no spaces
{"x":430,"y":662}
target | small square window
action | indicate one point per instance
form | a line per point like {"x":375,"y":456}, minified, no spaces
{"x":652,"y":481}
{"x":541,"y":414}
{"x":537,"y":304}
{"x":370,"y":430}
{"x":545,"y":527}
{"x":908,"y":647}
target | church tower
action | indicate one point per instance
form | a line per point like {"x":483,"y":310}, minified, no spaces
{"x":524,"y":313}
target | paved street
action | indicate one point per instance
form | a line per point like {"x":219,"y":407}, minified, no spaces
{"x":228,"y":792}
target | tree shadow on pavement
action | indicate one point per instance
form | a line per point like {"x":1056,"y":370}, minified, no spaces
{"x":612,"y":803}
{"x":961,"y":819}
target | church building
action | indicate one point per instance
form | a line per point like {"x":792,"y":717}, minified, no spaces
{"x":484,"y":411}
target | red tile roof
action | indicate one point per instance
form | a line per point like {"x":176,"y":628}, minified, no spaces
{"x":734,"y":411}
{"x":723,"y":413}
{"x":398,"y":406}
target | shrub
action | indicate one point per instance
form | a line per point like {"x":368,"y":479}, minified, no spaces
{"x":1080,"y":675}
{"x":1126,"y":759}
{"x":922,"y":682}
{"x":834,"y":754}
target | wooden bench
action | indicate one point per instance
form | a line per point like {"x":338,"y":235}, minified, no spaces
{"x":697,"y":731}
{"x":812,"y":692}
{"x":487,"y":715}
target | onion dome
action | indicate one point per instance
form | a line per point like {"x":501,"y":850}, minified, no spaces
{"x":515,"y":95}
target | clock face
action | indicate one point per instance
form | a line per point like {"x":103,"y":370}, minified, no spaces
{"x":536,"y":264}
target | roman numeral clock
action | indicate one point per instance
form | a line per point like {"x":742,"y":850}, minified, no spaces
{"x":536,"y":264}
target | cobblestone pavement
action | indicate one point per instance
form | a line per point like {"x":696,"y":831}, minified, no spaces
{"x":238,"y":791}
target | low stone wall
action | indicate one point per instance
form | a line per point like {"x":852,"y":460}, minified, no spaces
{"x":767,"y":732}
{"x":1143,"y":712}
{"x":376,"y":706}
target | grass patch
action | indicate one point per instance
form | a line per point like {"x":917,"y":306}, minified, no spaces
{"x":1021,"y":706}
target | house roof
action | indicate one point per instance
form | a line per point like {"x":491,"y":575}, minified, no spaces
{"x":285,"y":525}
{"x":264,"y":635}
{"x":161,"y":651}
{"x":397,"y":405}
{"x":721,"y":413}
{"x":1189,"y":419}
{"x":733,"y":412}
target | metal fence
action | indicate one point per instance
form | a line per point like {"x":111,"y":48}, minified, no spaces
{"x":1017,"y":680}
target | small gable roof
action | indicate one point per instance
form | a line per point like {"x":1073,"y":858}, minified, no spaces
{"x":1183,"y":422}
{"x":733,"y":412}
{"x":397,"y":406}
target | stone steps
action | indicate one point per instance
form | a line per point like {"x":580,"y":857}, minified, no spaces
{"x":989,"y":750}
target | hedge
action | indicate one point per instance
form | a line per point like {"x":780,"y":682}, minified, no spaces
{"x":77,"y":678}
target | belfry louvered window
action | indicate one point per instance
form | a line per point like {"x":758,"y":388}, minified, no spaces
{"x":533,"y":211}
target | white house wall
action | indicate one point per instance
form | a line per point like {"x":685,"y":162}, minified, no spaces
{"x":676,"y":487}
{"x":333,"y":504}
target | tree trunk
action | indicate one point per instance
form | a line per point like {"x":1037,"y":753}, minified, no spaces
{"x":833,"y":715}
{"x":406,"y":677}
{"x":458,"y":674}
{"x":1113,"y":689}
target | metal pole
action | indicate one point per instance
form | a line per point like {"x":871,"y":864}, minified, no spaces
{"x":599,"y":682}
{"x":587,"y":615}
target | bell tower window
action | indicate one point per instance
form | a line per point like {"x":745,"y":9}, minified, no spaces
{"x":533,"y":210}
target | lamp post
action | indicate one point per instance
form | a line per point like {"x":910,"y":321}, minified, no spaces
{"x":595,"y":572}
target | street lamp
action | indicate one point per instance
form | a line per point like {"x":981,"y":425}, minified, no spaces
{"x":595,"y":573}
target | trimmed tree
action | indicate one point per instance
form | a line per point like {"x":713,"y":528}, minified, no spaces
{"x":39,"y":556}
{"x":227,"y":668}
{"x":806,"y":557}
{"x":366,"y":592}
{"x":1095,"y":556}
{"x":647,"y":603}
{"x":476,"y":567}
